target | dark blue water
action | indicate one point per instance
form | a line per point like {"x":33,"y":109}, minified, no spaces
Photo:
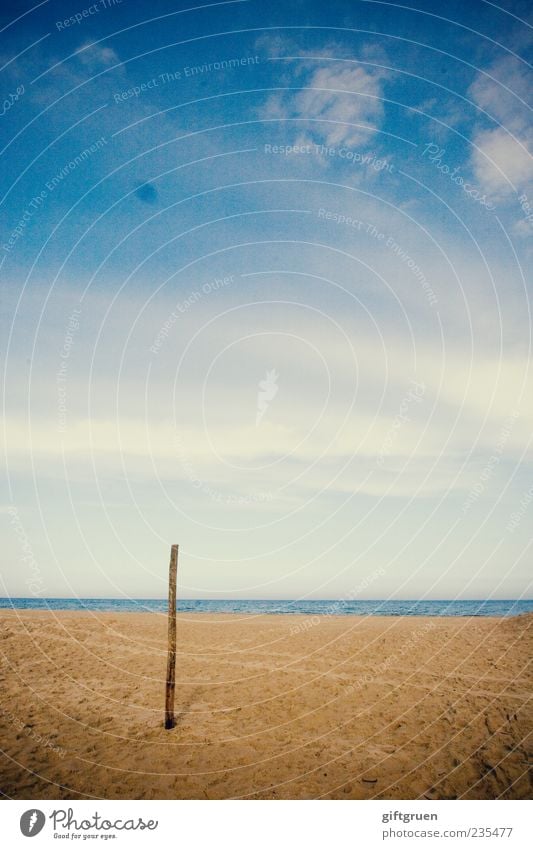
{"x":493,"y":607}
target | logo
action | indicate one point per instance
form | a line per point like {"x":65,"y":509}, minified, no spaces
{"x":267,"y":391}
{"x":32,"y":822}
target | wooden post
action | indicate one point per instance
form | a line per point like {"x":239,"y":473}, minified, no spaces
{"x":170,"y":720}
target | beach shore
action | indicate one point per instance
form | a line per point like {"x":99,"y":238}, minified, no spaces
{"x":267,"y":707}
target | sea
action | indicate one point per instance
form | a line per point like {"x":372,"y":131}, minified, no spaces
{"x":306,"y":607}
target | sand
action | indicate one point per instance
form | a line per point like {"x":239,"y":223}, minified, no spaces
{"x":268,"y":707}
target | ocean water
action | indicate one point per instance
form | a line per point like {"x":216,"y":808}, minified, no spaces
{"x":492,"y":607}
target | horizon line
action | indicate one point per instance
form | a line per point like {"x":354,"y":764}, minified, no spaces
{"x":164,"y":598}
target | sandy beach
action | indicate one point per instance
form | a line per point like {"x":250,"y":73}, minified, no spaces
{"x":268,"y":707}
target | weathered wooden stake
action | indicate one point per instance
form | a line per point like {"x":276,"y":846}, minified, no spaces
{"x":170,"y":720}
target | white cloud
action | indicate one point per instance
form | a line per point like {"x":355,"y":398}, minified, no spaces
{"x":503,"y":91}
{"x":94,"y":55}
{"x":424,"y":438}
{"x":502,"y":156}
{"x":340,"y":98}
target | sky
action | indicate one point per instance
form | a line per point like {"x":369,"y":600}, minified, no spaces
{"x":265,"y":293}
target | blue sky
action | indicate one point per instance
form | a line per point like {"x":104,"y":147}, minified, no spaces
{"x":265,"y":293}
